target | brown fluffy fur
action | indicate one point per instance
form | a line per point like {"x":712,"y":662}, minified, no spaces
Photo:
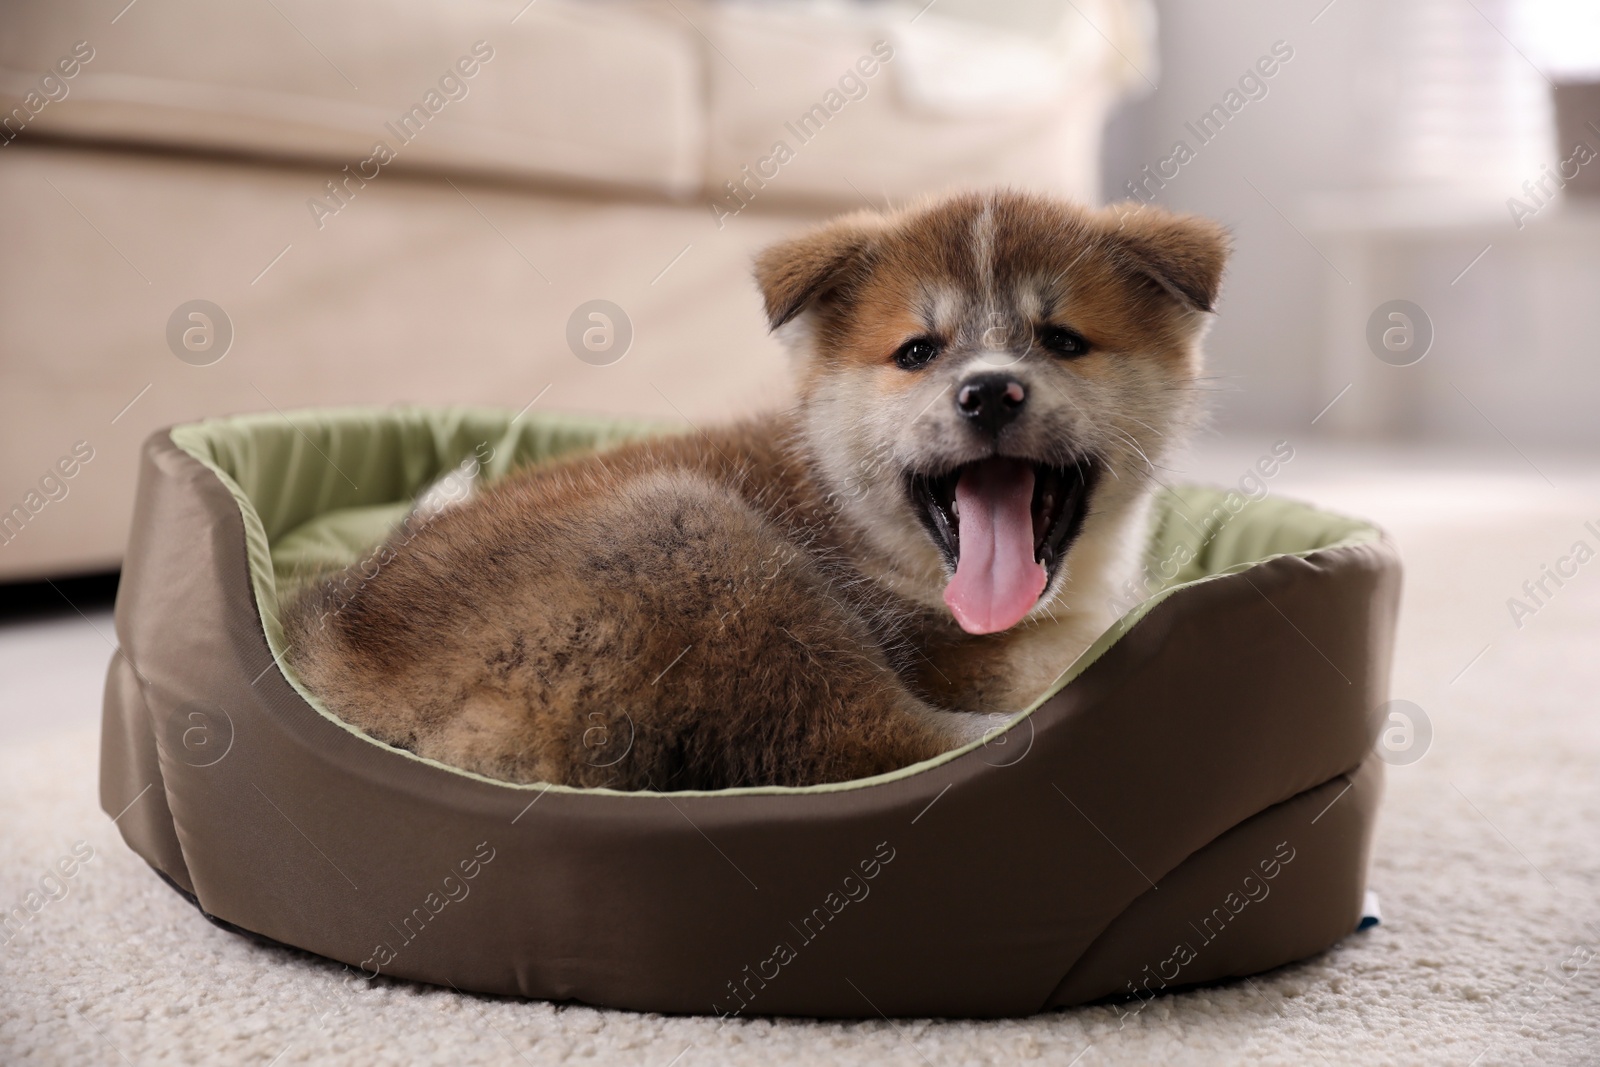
{"x":760,"y":605}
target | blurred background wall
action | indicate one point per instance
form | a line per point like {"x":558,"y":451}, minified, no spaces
{"x":1380,"y":163}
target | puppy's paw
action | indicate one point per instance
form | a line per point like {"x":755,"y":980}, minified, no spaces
{"x":960,"y":728}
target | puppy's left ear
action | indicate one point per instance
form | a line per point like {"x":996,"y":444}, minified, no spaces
{"x":1184,"y":254}
{"x":821,"y":265}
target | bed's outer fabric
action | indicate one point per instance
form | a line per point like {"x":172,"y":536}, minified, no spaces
{"x":1230,"y":723}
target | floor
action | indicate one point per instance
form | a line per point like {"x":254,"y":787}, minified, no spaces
{"x":1487,"y":859}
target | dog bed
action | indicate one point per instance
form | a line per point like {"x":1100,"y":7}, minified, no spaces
{"x":1192,"y":800}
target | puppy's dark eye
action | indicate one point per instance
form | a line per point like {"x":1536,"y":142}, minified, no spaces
{"x":916,"y":353}
{"x":1062,"y":341}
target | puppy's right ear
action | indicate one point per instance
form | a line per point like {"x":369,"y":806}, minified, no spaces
{"x":816,"y":267}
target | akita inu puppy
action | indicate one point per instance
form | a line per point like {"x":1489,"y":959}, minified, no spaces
{"x":938,"y":528}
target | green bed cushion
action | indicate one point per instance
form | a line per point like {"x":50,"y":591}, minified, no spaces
{"x":319,"y":490}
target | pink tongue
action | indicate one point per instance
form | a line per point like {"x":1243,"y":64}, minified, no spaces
{"x":997,"y":579}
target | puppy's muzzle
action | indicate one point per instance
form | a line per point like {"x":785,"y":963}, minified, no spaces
{"x":991,"y":402}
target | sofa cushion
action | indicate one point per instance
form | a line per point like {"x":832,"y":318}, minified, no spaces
{"x":876,"y":103}
{"x":556,"y":89}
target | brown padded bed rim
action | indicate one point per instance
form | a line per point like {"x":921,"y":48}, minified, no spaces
{"x":1123,"y":850}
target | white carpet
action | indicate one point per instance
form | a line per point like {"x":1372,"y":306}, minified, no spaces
{"x":1488,"y":863}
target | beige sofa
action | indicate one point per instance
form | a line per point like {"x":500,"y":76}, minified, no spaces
{"x":398,"y":201}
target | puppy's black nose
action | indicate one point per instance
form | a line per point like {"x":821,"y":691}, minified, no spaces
{"x":991,"y":401}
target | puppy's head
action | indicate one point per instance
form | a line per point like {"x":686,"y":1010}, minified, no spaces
{"x":987,"y":382}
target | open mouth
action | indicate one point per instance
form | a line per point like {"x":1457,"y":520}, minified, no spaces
{"x":1004,"y":524}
